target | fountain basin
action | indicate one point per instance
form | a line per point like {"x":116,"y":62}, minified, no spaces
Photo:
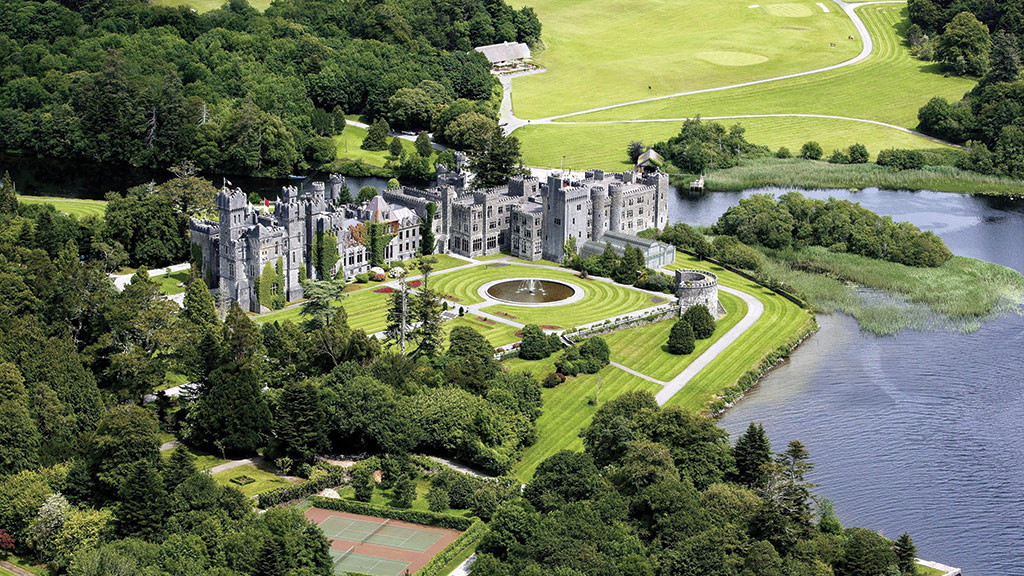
{"x":531,"y":292}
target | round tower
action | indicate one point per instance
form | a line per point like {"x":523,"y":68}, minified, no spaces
{"x":598,"y":201}
{"x":615,"y":213}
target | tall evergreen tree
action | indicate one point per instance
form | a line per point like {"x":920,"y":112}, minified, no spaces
{"x":906,"y":555}
{"x":429,"y":332}
{"x":143,"y":502}
{"x":500,"y":161}
{"x":320,"y":305}
{"x":423,"y":145}
{"x":680,"y":338}
{"x":199,"y":309}
{"x":427,"y":241}
{"x":299,"y":421}
{"x":179,"y":467}
{"x":376,"y":136}
{"x":271,"y":559}
{"x":1005,"y":58}
{"x":701,"y":321}
{"x":8,"y":195}
{"x":752,"y":451}
{"x":395,"y":147}
{"x":19,"y":437}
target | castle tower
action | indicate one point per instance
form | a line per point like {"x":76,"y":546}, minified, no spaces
{"x":337,"y":183}
{"x":598,"y":201}
{"x":661,"y":202}
{"x":615,"y":213}
{"x":232,"y":208}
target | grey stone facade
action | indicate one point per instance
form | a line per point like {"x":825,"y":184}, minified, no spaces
{"x":527,"y":218}
{"x":695,"y":287}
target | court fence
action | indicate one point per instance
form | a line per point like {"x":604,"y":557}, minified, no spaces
{"x":415,"y":516}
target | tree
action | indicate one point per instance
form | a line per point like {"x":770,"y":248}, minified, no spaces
{"x":858,"y":154}
{"x":701,"y":320}
{"x":616,"y":424}
{"x":8,"y":195}
{"x":48,"y":522}
{"x":498,"y":162}
{"x":395,"y":147}
{"x":1005,"y":58}
{"x":126,"y":435}
{"x":811,"y":151}
{"x":564,"y":478}
{"x":680,"y":338}
{"x":783,"y":153}
{"x":199,"y":309}
{"x":427,"y":241}
{"x":634,"y":149}
{"x":299,"y":421}
{"x":376,"y":136}
{"x":362,"y":483}
{"x":405,"y":492}
{"x":399,"y":314}
{"x":322,"y":298}
{"x":752,"y":451}
{"x":429,"y":332}
{"x":143,"y":502}
{"x":423,"y":145}
{"x":179,"y":467}
{"x":19,"y":437}
{"x":6,"y":543}
{"x":437,"y":499}
{"x":906,"y":555}
{"x":271,"y":558}
{"x":535,"y":345}
{"x":865,"y":553}
{"x":366,"y":193}
{"x":965,"y":45}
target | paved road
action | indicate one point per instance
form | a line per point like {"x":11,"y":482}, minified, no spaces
{"x":754,"y":311}
{"x":256,"y":461}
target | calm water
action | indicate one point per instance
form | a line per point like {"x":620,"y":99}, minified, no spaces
{"x":921,"y":431}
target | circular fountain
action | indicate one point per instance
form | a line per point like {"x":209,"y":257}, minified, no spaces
{"x":531,"y":291}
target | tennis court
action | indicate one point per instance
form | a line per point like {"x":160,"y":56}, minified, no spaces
{"x":352,"y":562}
{"x":379,"y":534}
{"x":379,"y":546}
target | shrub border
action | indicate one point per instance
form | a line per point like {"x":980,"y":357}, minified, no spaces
{"x":471,"y":537}
{"x":307,"y":488}
{"x":415,"y":516}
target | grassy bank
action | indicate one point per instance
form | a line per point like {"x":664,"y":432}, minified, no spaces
{"x":885,"y":297}
{"x":207,"y":5}
{"x":76,"y":207}
{"x":348,"y":147}
{"x":797,"y":173}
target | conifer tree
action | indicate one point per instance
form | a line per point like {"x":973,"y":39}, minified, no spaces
{"x":143,"y":502}
{"x":701,"y":321}
{"x":8,"y":195}
{"x":395,"y":147}
{"x":199,"y":309}
{"x":19,"y":437}
{"x":271,"y":559}
{"x":906,"y":555}
{"x":423,"y":146}
{"x":752,"y":451}
{"x":680,"y":338}
{"x":179,"y":467}
{"x":376,"y":136}
{"x":299,"y":421}
{"x":405,"y":492}
{"x":427,"y":241}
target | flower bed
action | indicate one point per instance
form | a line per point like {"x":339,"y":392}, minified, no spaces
{"x":506,"y":315}
{"x":242,"y":480}
{"x":487,"y":321}
{"x":415,"y":284}
{"x":550,"y":327}
{"x":384,"y":290}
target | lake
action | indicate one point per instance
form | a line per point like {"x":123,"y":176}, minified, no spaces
{"x":921,"y":431}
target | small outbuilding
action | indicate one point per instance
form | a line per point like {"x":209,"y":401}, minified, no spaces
{"x":506,"y":53}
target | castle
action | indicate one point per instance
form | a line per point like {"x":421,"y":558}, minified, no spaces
{"x":527,"y":218}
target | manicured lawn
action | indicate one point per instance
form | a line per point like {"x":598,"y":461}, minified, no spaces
{"x":383,"y":497}
{"x":72,"y":206}
{"x":497,"y":334}
{"x":598,"y":54}
{"x":173,"y":283}
{"x":889,"y":86}
{"x":367,"y":311}
{"x":497,"y":256}
{"x":207,"y":5}
{"x":645,"y":349}
{"x":566,"y":408}
{"x":780,"y":321}
{"x":603,"y":300}
{"x":928,"y":571}
{"x":203,"y":460}
{"x":355,"y":136}
{"x":604,"y":145}
{"x":264,"y":481}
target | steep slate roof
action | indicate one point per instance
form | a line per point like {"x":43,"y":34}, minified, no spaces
{"x":379,"y":210}
{"x":504,"y":52}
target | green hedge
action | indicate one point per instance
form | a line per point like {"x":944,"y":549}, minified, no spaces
{"x":414,"y":516}
{"x":289,"y":493}
{"x":469,"y":538}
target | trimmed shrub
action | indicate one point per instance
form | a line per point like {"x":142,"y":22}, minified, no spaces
{"x":438,"y":499}
{"x":701,"y":320}
{"x":858,"y":154}
{"x":552,"y":380}
{"x":468,"y":539}
{"x":838,"y":157}
{"x":811,"y":151}
{"x":414,"y":516}
{"x":680,"y":338}
{"x":783,"y":153}
{"x":405,"y":492}
{"x":307,"y":488}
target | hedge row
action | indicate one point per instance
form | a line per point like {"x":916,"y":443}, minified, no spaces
{"x":307,"y":488}
{"x":469,"y":538}
{"x":752,"y":377}
{"x":414,"y":516}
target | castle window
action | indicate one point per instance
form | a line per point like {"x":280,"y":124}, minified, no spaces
{"x":558,"y":221}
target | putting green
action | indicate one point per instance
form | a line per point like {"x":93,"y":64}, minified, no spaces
{"x":598,"y":53}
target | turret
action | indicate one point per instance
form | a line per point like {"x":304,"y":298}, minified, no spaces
{"x":337,"y":183}
{"x":615,"y":212}
{"x":598,"y":201}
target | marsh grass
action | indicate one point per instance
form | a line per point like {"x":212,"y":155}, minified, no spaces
{"x":811,"y":174}
{"x":886,"y":297}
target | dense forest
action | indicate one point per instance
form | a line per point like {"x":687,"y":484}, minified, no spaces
{"x":236,"y":90}
{"x":983,"y":39}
